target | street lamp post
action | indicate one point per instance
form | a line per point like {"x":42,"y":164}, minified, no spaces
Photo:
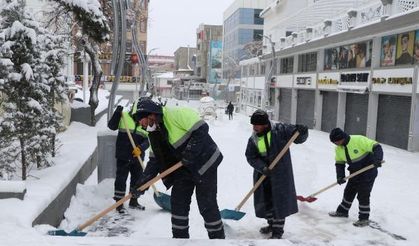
{"x":268,"y":77}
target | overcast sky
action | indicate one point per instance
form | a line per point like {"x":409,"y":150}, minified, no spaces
{"x":173,"y":23}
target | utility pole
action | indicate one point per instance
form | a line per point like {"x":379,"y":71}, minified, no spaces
{"x":267,"y":104}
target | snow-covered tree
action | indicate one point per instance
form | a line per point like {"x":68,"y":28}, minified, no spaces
{"x":95,"y":30}
{"x":52,"y":62}
{"x":25,"y":126}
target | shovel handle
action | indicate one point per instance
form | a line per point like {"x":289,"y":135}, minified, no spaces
{"x":127,"y":197}
{"x":270,"y":167}
{"x":133,"y":146}
{"x":346,"y":178}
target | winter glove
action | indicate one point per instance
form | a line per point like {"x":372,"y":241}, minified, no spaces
{"x":302,"y":129}
{"x":119,"y":109}
{"x":135,"y":192}
{"x":136,"y":152}
{"x":341,"y":180}
{"x":377,"y":164}
{"x":266,"y":171}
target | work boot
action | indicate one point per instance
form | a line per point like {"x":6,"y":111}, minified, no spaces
{"x":338,"y":214}
{"x":277,"y":233}
{"x":266,"y":229}
{"x":120,"y":209}
{"x":133,"y":204}
{"x":361,"y":223}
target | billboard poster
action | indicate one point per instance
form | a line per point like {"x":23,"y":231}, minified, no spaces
{"x":214,"y":64}
{"x":331,"y":59}
{"x":343,"y":56}
{"x":359,"y":55}
{"x":405,"y":43}
{"x":388,"y":51}
{"x":416,"y":50}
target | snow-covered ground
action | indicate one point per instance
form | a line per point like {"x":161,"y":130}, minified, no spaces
{"x":394,"y":199}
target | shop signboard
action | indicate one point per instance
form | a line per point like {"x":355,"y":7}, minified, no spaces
{"x":284,"y":81}
{"x":305,"y":81}
{"x":354,"y":82}
{"x":328,"y":81}
{"x":393,"y":80}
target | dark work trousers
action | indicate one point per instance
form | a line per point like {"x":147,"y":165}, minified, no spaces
{"x":230,"y":115}
{"x":361,"y":188}
{"x":274,"y":221}
{"x":123,"y":167}
{"x":206,"y":196}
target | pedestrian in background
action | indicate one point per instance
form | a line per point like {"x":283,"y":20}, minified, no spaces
{"x":230,"y":110}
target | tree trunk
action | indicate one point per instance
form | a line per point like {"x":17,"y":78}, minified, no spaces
{"x":97,"y":74}
{"x":22,"y":153}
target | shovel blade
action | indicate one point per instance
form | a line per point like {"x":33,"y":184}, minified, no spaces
{"x":231,"y":214}
{"x":163,"y":200}
{"x":306,"y":199}
{"x":73,"y":233}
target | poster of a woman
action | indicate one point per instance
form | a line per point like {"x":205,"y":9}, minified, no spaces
{"x":388,"y":50}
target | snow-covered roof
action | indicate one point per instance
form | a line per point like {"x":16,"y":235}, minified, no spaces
{"x":168,"y":75}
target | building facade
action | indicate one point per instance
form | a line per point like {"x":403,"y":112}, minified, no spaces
{"x":358,"y":70}
{"x":161,"y":64}
{"x":242,"y":25}
{"x":185,"y":58}
{"x":208,"y":37}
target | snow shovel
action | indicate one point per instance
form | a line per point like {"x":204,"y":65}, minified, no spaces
{"x":78,"y":231}
{"x":236,"y":214}
{"x":162,"y":199}
{"x":312,"y":197}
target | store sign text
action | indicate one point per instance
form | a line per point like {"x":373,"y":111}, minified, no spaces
{"x":354,"y":77}
{"x":303,"y":80}
{"x":393,"y":80}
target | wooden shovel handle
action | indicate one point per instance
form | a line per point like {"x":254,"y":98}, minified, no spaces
{"x":346,"y":178}
{"x":271,"y":166}
{"x":127,"y":197}
{"x":133,"y":146}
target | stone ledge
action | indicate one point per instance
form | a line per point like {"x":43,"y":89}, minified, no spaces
{"x":54,"y":213}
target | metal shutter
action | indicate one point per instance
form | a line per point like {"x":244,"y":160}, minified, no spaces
{"x":329,"y":110}
{"x":305,"y":107}
{"x":393,"y":120}
{"x":285,"y":96}
{"x":356,"y":113}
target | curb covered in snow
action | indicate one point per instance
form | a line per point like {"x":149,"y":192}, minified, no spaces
{"x":54,"y":213}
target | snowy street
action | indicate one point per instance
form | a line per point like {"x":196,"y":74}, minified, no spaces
{"x":392,"y":202}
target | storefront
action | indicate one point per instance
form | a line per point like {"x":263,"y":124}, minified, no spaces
{"x":305,"y":85}
{"x":394,"y":87}
{"x":285,"y":97}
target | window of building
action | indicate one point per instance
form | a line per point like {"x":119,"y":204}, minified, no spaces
{"x":143,"y":46}
{"x":257,"y":34}
{"x":262,"y":68}
{"x":259,"y":98}
{"x":128,"y":46}
{"x":143,"y":25}
{"x":287,"y":65}
{"x":143,"y":4}
{"x":307,"y":62}
{"x":256,"y":19}
{"x":245,"y":36}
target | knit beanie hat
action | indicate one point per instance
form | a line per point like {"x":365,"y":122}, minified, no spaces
{"x":337,"y":134}
{"x":259,"y":117}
